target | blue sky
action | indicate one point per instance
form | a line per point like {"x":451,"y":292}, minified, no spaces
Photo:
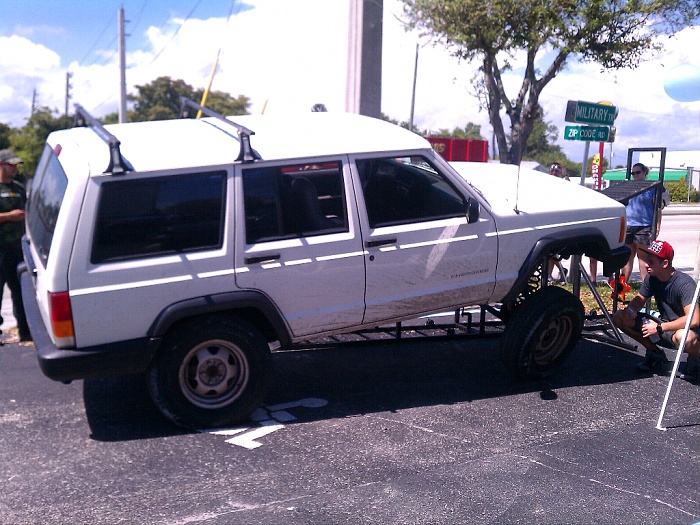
{"x":78,"y":30}
{"x":286,"y":55}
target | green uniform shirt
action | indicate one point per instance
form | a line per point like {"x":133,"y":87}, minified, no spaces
{"x":12,"y":197}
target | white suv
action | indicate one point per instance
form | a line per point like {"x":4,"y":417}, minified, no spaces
{"x":186,"y":248}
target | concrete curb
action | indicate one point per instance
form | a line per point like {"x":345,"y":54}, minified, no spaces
{"x":682,"y":209}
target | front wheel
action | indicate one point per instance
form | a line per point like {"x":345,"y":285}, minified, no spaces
{"x":212,"y":372}
{"x":542,"y":332}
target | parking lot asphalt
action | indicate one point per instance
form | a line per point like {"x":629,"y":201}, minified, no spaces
{"x":417,"y":432}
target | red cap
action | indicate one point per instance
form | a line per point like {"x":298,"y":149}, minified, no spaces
{"x":660,"y":249}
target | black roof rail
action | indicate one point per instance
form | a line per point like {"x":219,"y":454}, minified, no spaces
{"x":117,"y":165}
{"x":246,"y":153}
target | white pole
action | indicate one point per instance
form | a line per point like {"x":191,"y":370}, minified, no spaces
{"x":678,"y":357}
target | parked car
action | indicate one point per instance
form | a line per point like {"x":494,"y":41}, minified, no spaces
{"x":186,"y":248}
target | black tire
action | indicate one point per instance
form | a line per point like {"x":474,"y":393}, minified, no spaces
{"x":210,"y":373}
{"x":542,"y":332}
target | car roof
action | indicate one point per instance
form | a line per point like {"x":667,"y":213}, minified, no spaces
{"x":189,"y":143}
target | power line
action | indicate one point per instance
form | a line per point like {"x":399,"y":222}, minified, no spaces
{"x":176,"y":32}
{"x":109,"y":23}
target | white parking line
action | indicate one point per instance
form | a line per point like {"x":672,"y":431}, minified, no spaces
{"x":270,"y":418}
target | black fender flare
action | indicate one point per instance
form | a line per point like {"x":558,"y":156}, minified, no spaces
{"x":244,"y":301}
{"x":586,"y":241}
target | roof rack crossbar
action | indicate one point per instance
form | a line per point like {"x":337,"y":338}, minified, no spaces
{"x":246,"y":152}
{"x":116,"y":161}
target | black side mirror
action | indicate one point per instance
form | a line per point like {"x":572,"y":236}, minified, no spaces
{"x":472,"y":210}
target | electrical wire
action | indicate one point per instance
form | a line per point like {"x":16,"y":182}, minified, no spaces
{"x":176,"y":33}
{"x":109,"y":23}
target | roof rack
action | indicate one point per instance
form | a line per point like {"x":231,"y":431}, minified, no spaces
{"x":246,"y":153}
{"x":117,"y":165}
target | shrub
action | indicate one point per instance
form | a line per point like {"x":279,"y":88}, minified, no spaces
{"x":679,"y":192}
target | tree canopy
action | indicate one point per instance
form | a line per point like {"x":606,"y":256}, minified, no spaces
{"x":470,"y":131}
{"x":155,"y":101}
{"x":28,"y":141}
{"x":160,"y":100}
{"x":613,"y":33}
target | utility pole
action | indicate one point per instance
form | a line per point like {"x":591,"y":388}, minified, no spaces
{"x":122,"y":68}
{"x":363,"y":93}
{"x":69,"y":75}
{"x":33,"y":102}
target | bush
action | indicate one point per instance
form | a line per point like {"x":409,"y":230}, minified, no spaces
{"x":679,"y":192}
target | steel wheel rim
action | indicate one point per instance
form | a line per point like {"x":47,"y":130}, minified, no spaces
{"x":213,"y":374}
{"x":553,"y":341}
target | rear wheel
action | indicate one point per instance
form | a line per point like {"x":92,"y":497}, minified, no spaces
{"x":210,"y":373}
{"x":541,"y":332}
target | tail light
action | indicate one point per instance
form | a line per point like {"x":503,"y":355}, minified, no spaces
{"x":61,"y":319}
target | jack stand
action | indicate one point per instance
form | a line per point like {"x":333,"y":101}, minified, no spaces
{"x":617,"y":340}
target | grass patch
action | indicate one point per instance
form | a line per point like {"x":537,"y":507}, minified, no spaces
{"x":605,"y":293}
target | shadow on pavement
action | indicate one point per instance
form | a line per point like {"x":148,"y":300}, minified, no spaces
{"x":361,"y":379}
{"x":120,"y":409}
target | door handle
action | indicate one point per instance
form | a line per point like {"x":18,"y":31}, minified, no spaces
{"x":380,"y":242}
{"x":262,"y":258}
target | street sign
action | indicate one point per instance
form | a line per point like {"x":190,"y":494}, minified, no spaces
{"x":589,"y":113}
{"x":587,"y":133}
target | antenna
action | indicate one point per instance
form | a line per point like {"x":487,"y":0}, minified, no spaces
{"x":516,"y":148}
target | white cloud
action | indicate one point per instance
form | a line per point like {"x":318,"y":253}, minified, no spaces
{"x":293,"y":55}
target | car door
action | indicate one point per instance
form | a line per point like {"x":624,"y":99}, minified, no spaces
{"x":423,"y":254}
{"x":298,"y":241}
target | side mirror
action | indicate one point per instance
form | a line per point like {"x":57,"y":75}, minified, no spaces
{"x":472,"y":210}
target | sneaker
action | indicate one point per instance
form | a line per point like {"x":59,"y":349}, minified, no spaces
{"x":652,"y":361}
{"x":692,"y":371}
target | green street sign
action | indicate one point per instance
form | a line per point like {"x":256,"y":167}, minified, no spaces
{"x":589,"y":113}
{"x":588,"y":133}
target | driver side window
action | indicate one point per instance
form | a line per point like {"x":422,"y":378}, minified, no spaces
{"x":406,"y":189}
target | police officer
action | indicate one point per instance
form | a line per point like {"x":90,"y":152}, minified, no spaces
{"x":12,"y":200}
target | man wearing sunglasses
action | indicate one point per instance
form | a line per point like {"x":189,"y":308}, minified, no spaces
{"x":557,"y":170}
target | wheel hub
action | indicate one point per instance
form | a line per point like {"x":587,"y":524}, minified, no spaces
{"x":212,"y":371}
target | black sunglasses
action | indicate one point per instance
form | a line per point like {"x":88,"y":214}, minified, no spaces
{"x":637,"y":172}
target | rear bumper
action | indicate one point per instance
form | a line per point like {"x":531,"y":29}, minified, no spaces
{"x":121,"y":358}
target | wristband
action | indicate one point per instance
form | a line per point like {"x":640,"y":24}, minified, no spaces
{"x":659,"y":329}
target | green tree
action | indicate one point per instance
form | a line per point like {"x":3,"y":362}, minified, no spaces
{"x":28,"y":141}
{"x":540,"y":144}
{"x":470,"y":131}
{"x":160,"y":100}
{"x":613,"y":34}
{"x":223,"y":102}
{"x":5,"y":132}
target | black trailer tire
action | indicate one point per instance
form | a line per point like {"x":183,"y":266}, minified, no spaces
{"x":210,"y":373}
{"x":542,"y":332}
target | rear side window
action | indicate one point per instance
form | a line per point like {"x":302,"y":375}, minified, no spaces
{"x":294,"y":201}
{"x":44,"y":202}
{"x":159,"y":216}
